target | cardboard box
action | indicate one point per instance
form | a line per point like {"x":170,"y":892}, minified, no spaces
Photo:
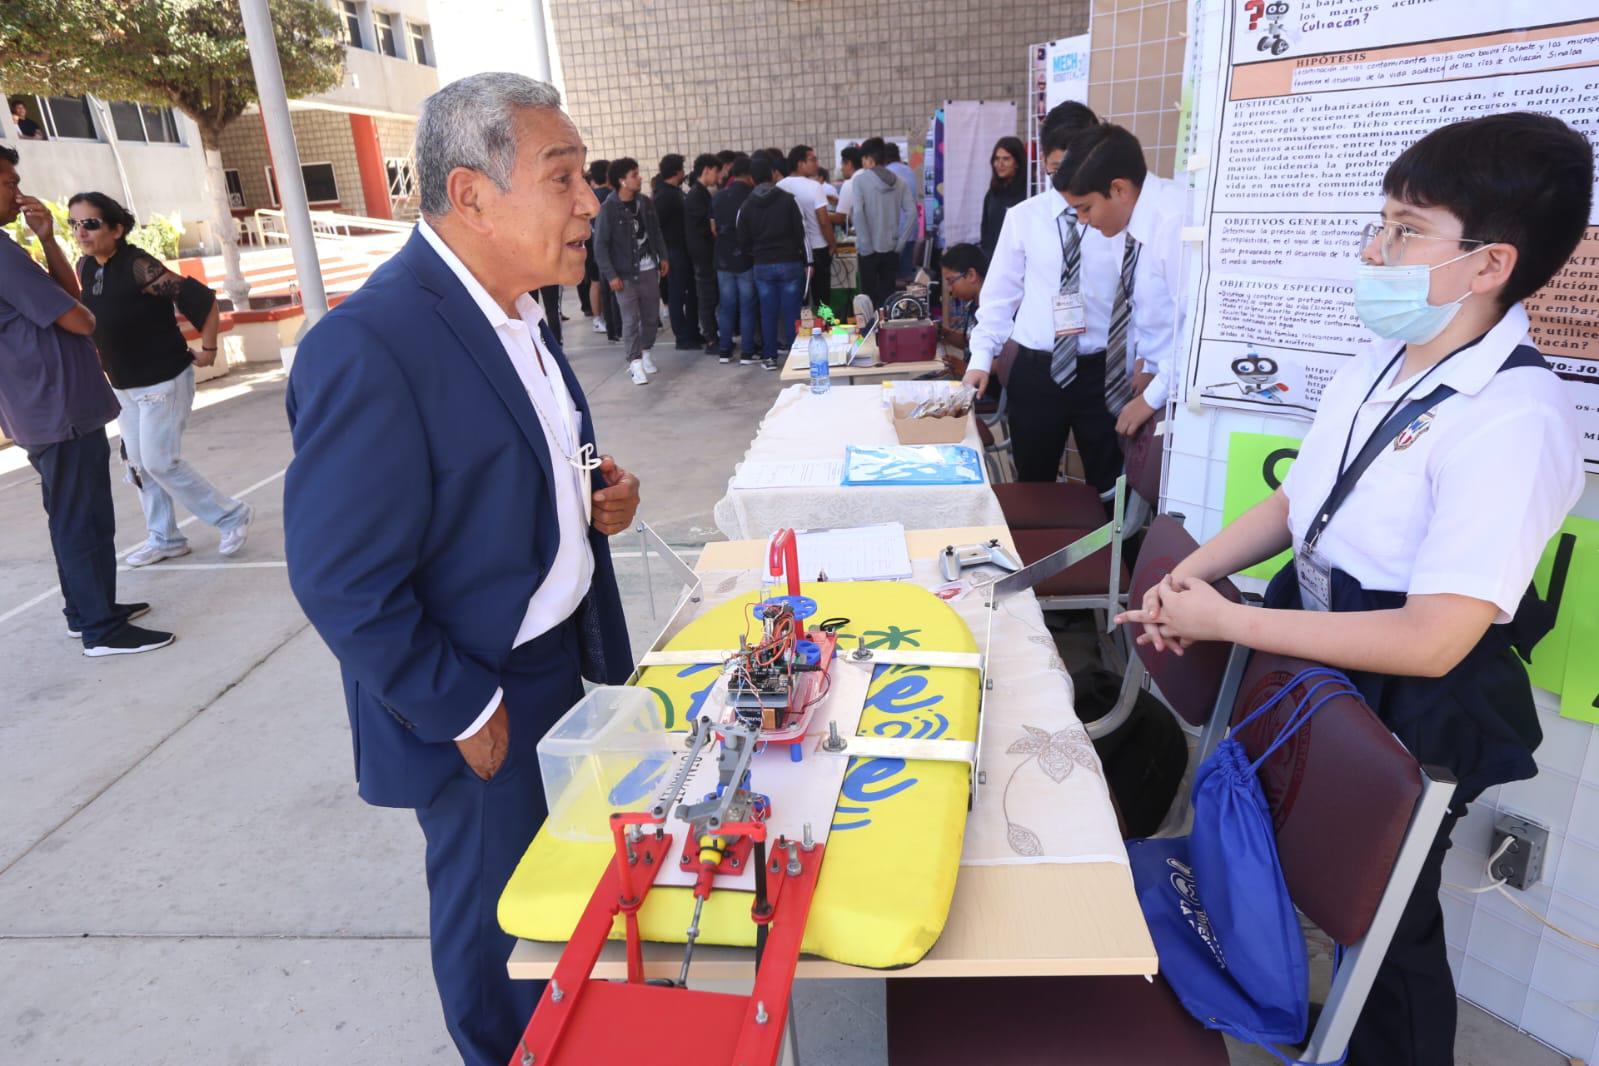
{"x":927,"y":430}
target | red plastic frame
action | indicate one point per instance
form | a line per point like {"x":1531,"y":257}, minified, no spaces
{"x":581,"y":1021}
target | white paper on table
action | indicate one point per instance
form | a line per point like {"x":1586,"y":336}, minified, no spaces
{"x":802,"y":792}
{"x":801,"y":474}
{"x":859,"y":553}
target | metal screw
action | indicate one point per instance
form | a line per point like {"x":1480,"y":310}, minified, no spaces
{"x":794,"y":867}
{"x":834,"y":741}
{"x":982,"y":777}
{"x":760,"y":1012}
{"x":556,"y":995}
{"x":810,"y":842}
{"x":735,"y":864}
{"x":527,"y":1056}
{"x":860,"y":649}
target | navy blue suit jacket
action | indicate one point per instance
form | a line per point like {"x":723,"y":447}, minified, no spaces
{"x":419,"y":516}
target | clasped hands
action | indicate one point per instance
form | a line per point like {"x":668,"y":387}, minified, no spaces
{"x":1178,"y":612}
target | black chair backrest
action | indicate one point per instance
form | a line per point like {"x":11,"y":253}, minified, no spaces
{"x":1342,"y":791}
{"x":1189,"y":682}
{"x":1145,"y":458}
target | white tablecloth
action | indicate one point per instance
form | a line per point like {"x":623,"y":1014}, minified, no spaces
{"x":801,"y":426}
{"x":1042,"y":797}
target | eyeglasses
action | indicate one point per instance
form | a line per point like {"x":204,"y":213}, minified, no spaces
{"x":1396,"y":235}
{"x":90,"y":224}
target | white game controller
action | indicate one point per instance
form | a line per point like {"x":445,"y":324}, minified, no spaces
{"x":952,"y":560}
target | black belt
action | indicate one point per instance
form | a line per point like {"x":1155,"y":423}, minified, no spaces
{"x":1022,"y":349}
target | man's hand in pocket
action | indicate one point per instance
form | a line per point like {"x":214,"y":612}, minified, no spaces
{"x":485,"y":750}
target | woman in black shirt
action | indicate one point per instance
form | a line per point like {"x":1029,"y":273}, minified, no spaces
{"x":151,"y":370}
{"x":1006,"y":188}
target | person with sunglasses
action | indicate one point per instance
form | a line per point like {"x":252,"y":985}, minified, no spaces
{"x":1442,"y":459}
{"x":151,"y":368}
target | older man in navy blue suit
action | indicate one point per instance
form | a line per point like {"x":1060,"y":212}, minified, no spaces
{"x":447,"y":518}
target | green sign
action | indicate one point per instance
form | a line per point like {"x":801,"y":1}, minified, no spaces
{"x":1256,"y":466}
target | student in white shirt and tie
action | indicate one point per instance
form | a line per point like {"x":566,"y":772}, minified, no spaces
{"x":1106,"y":182}
{"x":1054,"y":287}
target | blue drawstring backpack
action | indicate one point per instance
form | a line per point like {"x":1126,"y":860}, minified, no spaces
{"x":1218,"y":909}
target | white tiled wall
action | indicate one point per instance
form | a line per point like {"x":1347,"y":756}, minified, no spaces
{"x":1504,"y":960}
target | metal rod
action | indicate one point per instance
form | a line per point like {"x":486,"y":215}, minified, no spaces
{"x":688,"y":947}
{"x":644,"y":554}
{"x":274,"y":102}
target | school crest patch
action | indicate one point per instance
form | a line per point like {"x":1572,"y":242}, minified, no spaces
{"x":1413,"y":431}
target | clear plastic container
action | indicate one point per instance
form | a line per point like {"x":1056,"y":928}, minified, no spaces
{"x":610,"y":752}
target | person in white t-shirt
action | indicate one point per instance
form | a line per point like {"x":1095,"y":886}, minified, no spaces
{"x":800,"y":182}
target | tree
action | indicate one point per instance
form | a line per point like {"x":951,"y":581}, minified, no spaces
{"x":187,"y":54}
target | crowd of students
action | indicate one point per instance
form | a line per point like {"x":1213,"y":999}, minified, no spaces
{"x":736,"y":244}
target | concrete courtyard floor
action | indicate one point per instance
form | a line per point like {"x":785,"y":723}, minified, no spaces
{"x":186,"y":873}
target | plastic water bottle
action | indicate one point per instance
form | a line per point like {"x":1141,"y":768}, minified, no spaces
{"x":820,"y":382}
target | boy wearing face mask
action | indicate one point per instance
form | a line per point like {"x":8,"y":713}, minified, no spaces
{"x":1442,"y":459}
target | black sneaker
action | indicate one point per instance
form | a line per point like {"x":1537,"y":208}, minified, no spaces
{"x":724,"y":357}
{"x":769,"y":364}
{"x":685,"y":346}
{"x":128,"y":611}
{"x":713,"y":346}
{"x":129,"y":639}
{"x":746,"y":360}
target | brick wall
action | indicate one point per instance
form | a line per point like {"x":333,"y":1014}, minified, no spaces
{"x":322,"y":136}
{"x":1135,"y":71}
{"x":647,"y":77}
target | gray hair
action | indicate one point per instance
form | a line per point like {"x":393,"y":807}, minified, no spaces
{"x":470,"y":123}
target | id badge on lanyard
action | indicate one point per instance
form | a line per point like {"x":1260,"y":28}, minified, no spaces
{"x":1069,"y":317}
{"x":1315,"y":579}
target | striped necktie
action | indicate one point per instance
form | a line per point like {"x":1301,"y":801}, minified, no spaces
{"x":1118,"y":386}
{"x":1063,"y":363}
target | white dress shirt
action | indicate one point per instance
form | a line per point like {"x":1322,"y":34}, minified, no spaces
{"x":564,"y":587}
{"x":1467,"y":505}
{"x":1018,"y":298}
{"x":1158,"y":298}
{"x":808,"y":192}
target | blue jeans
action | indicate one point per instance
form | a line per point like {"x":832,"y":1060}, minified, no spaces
{"x":152,"y":421}
{"x":736,"y":310}
{"x":780,"y":288}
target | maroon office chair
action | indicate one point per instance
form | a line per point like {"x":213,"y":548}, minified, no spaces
{"x":1355,"y":817}
{"x":1075,"y":504}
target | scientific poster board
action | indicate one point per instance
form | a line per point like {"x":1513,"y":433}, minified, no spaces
{"x":1057,"y":71}
{"x":1319,"y":97}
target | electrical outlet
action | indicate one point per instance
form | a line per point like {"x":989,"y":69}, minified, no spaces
{"x":1522,"y":862}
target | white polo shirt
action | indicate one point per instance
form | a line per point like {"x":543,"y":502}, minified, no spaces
{"x":1466,"y":504}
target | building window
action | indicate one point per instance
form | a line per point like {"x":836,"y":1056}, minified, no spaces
{"x":141,"y":122}
{"x":421,"y":46}
{"x":385,"y":27}
{"x":402,"y":177}
{"x":67,"y":116}
{"x":351,"y":11}
{"x":321,"y":187}
{"x":235,"y":189}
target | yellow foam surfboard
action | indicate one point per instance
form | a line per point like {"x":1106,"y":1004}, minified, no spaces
{"x":895,"y":843}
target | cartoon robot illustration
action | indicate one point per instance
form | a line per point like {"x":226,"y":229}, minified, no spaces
{"x":1257,"y":379}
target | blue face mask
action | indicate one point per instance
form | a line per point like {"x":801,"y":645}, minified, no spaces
{"x":1392,"y":301}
